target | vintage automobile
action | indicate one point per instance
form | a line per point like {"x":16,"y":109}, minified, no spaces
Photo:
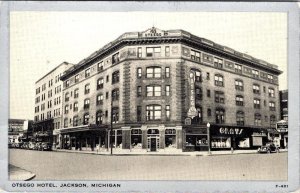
{"x":268,"y":148}
{"x":45,"y":146}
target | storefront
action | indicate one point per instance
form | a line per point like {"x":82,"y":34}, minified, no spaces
{"x":227,"y":137}
{"x":194,"y":138}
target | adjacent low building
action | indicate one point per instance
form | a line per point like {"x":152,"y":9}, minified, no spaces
{"x":19,"y":130}
{"x":168,"y":91}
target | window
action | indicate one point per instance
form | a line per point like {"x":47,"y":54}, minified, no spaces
{"x":256,"y":103}
{"x":115,"y":115}
{"x":219,"y":80}
{"x":87,"y":89}
{"x":153,"y":52}
{"x":167,"y":90}
{"x":197,"y":76}
{"x":218,"y":62}
{"x":195,"y":55}
{"x":257,"y":119}
{"x":100,"y":83}
{"x":115,"y":94}
{"x":139,"y":72}
{"x":220,"y":116}
{"x":75,"y":121}
{"x":256,"y":89}
{"x":107,"y":78}
{"x":99,"y":118}
{"x":272,"y":106}
{"x":66,"y":109}
{"x":77,"y":78}
{"x":265,"y":103}
{"x":139,"y":91}
{"x":115,"y":58}
{"x":67,"y":97}
{"x":208,"y":93}
{"x":75,"y":108}
{"x":271,"y":92}
{"x":207,"y":76}
{"x":67,"y":83}
{"x":86,"y":104}
{"x":238,"y":68}
{"x":198,"y":118}
{"x":115,"y":77}
{"x":66,"y":122}
{"x":207,"y":58}
{"x":219,"y":97}
{"x":240,"y":118}
{"x":86,"y":118}
{"x":106,"y":113}
{"x":153,"y":72}
{"x":239,"y":100}
{"x":106,"y":95}
{"x":198,"y":92}
{"x":239,"y":85}
{"x":153,"y":112}
{"x":139,"y":113}
{"x":273,"y":121}
{"x":208,"y":112}
{"x":167,"y":72}
{"x":76,"y":93}
{"x":87,"y":72}
{"x":153,"y":91}
{"x":100,"y":66}
{"x":270,"y":77}
{"x":255,"y":74}
{"x":99,"y":100}
{"x":167,"y":51}
{"x":139,"y":52}
{"x":168,"y":112}
{"x":264,"y":88}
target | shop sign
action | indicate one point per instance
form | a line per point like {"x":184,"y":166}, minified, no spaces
{"x":192,"y":112}
{"x":154,"y":32}
{"x":231,"y":131}
{"x":282,"y":126}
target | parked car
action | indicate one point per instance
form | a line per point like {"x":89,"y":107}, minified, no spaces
{"x":45,"y":146}
{"x":31,"y":145}
{"x":268,"y":148}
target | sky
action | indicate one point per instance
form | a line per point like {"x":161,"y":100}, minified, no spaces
{"x":39,"y":41}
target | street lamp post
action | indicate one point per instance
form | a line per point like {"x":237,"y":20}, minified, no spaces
{"x":208,"y":136}
{"x":111,"y":126}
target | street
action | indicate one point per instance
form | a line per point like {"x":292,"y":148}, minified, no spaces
{"x":77,"y":166}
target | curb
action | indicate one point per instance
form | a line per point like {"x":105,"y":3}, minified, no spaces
{"x":19,"y":174}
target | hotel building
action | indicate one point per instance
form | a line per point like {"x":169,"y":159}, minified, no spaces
{"x":48,"y":100}
{"x":168,"y":90}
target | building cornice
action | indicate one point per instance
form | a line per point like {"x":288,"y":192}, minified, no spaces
{"x":174,"y":36}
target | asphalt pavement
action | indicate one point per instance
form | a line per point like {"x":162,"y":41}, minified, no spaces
{"x":77,"y":166}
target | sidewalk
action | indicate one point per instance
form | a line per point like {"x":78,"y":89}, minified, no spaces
{"x":126,"y":152}
{"x":16,"y":174}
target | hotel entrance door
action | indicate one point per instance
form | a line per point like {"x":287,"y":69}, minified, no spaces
{"x":153,"y":143}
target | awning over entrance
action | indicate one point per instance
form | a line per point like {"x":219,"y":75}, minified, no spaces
{"x":83,"y":128}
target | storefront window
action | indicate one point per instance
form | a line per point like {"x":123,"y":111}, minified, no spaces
{"x":221,"y":142}
{"x":136,"y":138}
{"x":116,"y":139}
{"x":170,"y":138}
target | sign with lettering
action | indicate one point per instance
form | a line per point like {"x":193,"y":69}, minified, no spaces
{"x":192,"y":112}
{"x":231,"y":131}
{"x":282,"y":126}
{"x":154,"y":32}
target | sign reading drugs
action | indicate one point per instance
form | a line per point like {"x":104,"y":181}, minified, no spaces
{"x":231,"y":131}
{"x":192,"y":112}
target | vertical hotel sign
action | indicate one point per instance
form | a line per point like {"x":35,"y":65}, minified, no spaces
{"x":192,"y":112}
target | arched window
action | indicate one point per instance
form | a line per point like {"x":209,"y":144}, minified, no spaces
{"x":99,"y":117}
{"x":86,"y":118}
{"x":256,"y":89}
{"x":219,"y":81}
{"x":239,"y":85}
{"x":75,"y":120}
{"x":257,"y":119}
{"x":240,"y":118}
{"x":220,"y":115}
{"x":99,"y":99}
{"x":197,"y":74}
{"x":86,"y":104}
